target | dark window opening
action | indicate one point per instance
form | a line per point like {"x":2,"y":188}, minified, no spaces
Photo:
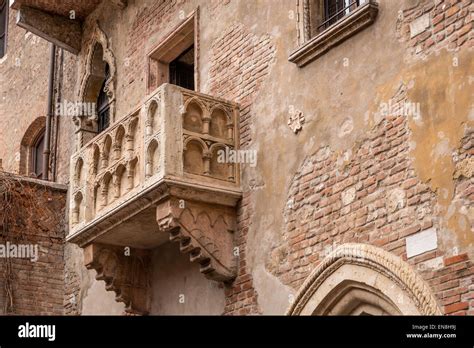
{"x":3,"y":26}
{"x":37,"y":164}
{"x":103,"y":107}
{"x":334,"y":10}
{"x":182,"y":69}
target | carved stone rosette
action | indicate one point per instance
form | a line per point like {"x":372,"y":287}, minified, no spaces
{"x":125,"y":271}
{"x":204,"y":232}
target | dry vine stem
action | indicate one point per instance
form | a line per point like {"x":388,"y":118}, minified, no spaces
{"x":17,"y":201}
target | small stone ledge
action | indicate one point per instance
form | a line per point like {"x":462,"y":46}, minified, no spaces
{"x":348,"y":26}
{"x":38,"y":182}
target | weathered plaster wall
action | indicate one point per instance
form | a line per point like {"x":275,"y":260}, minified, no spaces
{"x":179,"y":288}
{"x":244,"y":57}
{"x":244,"y":49}
{"x":23,"y":90}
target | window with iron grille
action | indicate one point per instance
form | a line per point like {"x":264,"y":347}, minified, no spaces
{"x":182,"y":69}
{"x":103,"y":106}
{"x":334,"y":10}
{"x":3,"y":26}
{"x":324,"y":24}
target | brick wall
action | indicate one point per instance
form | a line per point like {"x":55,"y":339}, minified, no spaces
{"x":32,"y":288}
{"x":369,"y":195}
{"x":150,"y":20}
{"x":431,"y":26}
{"x":240,"y":63}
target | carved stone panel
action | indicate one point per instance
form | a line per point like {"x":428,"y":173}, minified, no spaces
{"x":203,"y":231}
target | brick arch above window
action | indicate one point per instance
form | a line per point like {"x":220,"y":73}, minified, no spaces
{"x":28,"y":142}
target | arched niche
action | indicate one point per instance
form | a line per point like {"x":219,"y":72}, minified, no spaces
{"x":219,"y":168}
{"x":95,"y":160}
{"x":132,"y":132}
{"x":152,"y":159}
{"x":79,"y":175}
{"x":120,"y":184}
{"x":219,"y":121}
{"x":132,"y":174}
{"x":193,"y":117}
{"x":152,"y":118}
{"x":119,"y":142}
{"x":361,"y":279}
{"x":193,"y":154}
{"x":107,"y":190}
{"x":105,"y":151}
{"x":77,"y":211}
{"x":96,"y":197}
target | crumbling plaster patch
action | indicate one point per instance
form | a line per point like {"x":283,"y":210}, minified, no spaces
{"x":440,"y":87}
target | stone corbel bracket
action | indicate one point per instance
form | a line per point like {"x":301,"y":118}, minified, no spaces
{"x":61,"y":31}
{"x":125,"y":271}
{"x":205,"y":232}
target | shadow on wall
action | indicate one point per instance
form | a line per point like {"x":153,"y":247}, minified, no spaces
{"x":179,"y":288}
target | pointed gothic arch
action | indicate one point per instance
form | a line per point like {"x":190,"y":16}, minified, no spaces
{"x":99,"y":73}
{"x":358,"y":279}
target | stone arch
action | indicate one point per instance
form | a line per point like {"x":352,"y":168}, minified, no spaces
{"x":120,"y":181}
{"x":119,"y":142}
{"x":131,"y":133}
{"x":77,"y":211}
{"x":96,"y":197}
{"x":219,"y":169}
{"x":194,"y":156}
{"x":32,"y":133}
{"x":95,"y":160}
{"x":132,"y":174}
{"x":152,"y":125}
{"x":361,"y":279}
{"x":152,"y":159}
{"x":105,"y":151}
{"x":193,"y":118}
{"x":219,"y":123}
{"x":107,"y":190}
{"x":79,"y":175}
{"x":99,"y":54}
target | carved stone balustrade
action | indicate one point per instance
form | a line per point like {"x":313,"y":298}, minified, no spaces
{"x":158,"y":174}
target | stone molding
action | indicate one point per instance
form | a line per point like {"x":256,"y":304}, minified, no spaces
{"x":374,"y":258}
{"x":346,"y":27}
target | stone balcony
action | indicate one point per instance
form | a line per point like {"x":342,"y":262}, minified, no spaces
{"x":155,"y":175}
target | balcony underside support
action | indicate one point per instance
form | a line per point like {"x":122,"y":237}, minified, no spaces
{"x":125,"y":271}
{"x":203,"y":231}
{"x":156,"y":176}
{"x":63,"y":32}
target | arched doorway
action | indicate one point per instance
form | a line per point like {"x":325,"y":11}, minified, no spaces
{"x":360,"y":279}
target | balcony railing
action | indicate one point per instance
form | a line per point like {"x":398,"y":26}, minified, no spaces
{"x":159,"y":170}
